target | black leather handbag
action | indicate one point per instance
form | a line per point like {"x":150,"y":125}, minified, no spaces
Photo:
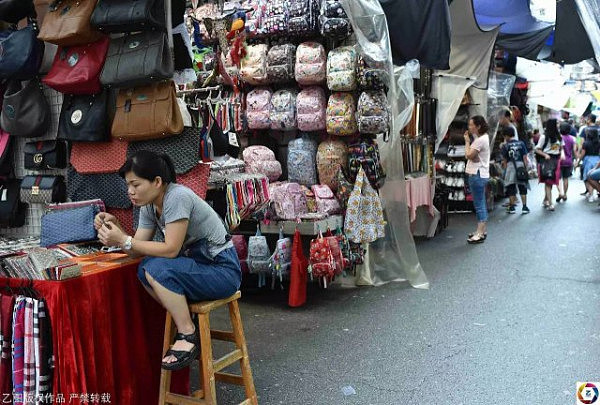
{"x":84,"y":118}
{"x":43,"y":189}
{"x":45,"y":155}
{"x":25,"y":110}
{"x":12,"y":211}
{"x":13,"y":11}
{"x":21,"y":53}
{"x":129,"y":16}
{"x":137,"y":59}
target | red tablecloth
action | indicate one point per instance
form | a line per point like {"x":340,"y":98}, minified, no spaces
{"x":107,"y":335}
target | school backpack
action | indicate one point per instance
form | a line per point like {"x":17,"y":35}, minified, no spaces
{"x":280,"y":63}
{"x":282,"y":257}
{"x":373,"y":113}
{"x":259,"y":256}
{"x":288,"y":200}
{"x":254,"y":66}
{"x":334,"y":20}
{"x":276,"y":17}
{"x":341,"y":114}
{"x":365,"y":154}
{"x":260,"y":159}
{"x":302,"y":161}
{"x":331,"y":155}
{"x":311,"y":64}
{"x":311,"y":107}
{"x":341,"y":69}
{"x":326,"y":201}
{"x":283,"y":110}
{"x":371,"y":75}
{"x":303,"y":16}
{"x":258,"y":108}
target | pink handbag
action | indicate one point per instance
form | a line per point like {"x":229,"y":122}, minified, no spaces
{"x":288,"y":200}
{"x":311,"y":64}
{"x":311,"y":107}
{"x":326,"y":201}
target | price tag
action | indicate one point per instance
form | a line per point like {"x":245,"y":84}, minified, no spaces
{"x":4,"y":194}
{"x":233,"y":140}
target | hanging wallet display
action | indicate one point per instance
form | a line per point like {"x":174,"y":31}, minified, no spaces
{"x":84,"y":118}
{"x":147,"y":112}
{"x":13,"y":11}
{"x":70,"y":225}
{"x":98,"y":157}
{"x":25,"y":110}
{"x":129,"y":16}
{"x":76,"y":69}
{"x":21,"y":52}
{"x":43,"y":189}
{"x":67,"y":23}
{"x":12,"y":210}
{"x":138,"y":59}
{"x":44,"y":155}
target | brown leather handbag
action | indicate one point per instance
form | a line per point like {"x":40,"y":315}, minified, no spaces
{"x":148,"y":112}
{"x":67,"y":23}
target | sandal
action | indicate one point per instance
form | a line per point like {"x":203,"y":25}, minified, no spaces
{"x":476,"y":239}
{"x":184,"y":358}
{"x":469,"y":236}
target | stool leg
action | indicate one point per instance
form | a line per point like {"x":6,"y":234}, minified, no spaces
{"x":208,"y":374}
{"x":240,"y":342}
{"x":165,"y":375}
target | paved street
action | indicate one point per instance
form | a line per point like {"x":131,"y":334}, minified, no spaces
{"x":512,"y":321}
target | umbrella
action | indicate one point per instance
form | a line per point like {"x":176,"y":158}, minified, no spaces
{"x":298,"y":273}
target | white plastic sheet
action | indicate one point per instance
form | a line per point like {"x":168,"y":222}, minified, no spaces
{"x":500,"y":86}
{"x":393,"y":258}
{"x":404,"y":76}
{"x":589,"y":11}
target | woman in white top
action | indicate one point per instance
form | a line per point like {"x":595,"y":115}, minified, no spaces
{"x":549,"y":149}
{"x":478,"y":170}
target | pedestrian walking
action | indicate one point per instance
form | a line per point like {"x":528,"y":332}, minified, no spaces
{"x":566,"y":164}
{"x":478,"y":169}
{"x":549,"y":148}
{"x":590,"y":156}
{"x":515,"y":162}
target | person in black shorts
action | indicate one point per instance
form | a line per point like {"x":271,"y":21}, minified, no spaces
{"x":514,"y":155}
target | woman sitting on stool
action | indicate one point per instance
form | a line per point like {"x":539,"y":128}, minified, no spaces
{"x":196,"y":261}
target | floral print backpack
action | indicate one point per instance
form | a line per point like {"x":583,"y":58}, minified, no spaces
{"x":276,"y":17}
{"x":283,"y":110}
{"x":260,"y":159}
{"x":311,"y":64}
{"x":259,"y":257}
{"x":303,"y":16}
{"x":341,"y":69}
{"x":365,"y":155}
{"x":288,"y":200}
{"x":334,"y":20}
{"x":254,"y":66}
{"x":311,"y":106}
{"x":371,"y":75}
{"x":258,"y":108}
{"x":280,"y":63}
{"x":302,"y":161}
{"x":326,"y":201}
{"x":373,"y":113}
{"x":282,"y":258}
{"x":331,"y":155}
{"x":341,"y":114}
{"x":364,"y":221}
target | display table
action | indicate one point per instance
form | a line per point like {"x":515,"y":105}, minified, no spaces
{"x":107,"y":334}
{"x":419,"y":192}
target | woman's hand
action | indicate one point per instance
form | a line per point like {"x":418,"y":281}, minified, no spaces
{"x":467,"y":137}
{"x":547,"y":157}
{"x":111,"y":235}
{"x":103,"y":217}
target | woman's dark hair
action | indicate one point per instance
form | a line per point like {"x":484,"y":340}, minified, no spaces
{"x":480,"y":122}
{"x":150,"y":165}
{"x":551,"y":128}
{"x":592,"y":135}
{"x":564,"y":128}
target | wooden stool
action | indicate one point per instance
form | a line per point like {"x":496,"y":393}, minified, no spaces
{"x":210,"y":370}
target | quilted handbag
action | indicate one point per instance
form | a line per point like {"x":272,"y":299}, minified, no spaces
{"x":334,"y":20}
{"x":260,"y":159}
{"x":311,"y":64}
{"x":341,"y":69}
{"x":253,"y":68}
{"x":183,"y":149}
{"x":326,"y":202}
{"x":258,"y":108}
{"x":341,"y":115}
{"x":25,"y":110}
{"x":311,"y":106}
{"x":283,"y":110}
{"x":22,"y":52}
{"x":364,"y":222}
{"x":76,"y":69}
{"x":43,"y":189}
{"x":303,"y":16}
{"x":67,"y":23}
{"x":241,"y":248}
{"x":282,"y":257}
{"x":302,"y":161}
{"x":371,"y":75}
{"x":280,"y":63}
{"x":137,"y":60}
{"x":6,"y":154}
{"x":44,"y":155}
{"x":288,"y":200}
{"x":97,"y":204}
{"x":98,"y":157}
{"x":276,"y":17}
{"x":65,"y":226}
{"x":331,"y":155}
{"x":322,"y":263}
{"x":148,"y":112}
{"x":12,"y":210}
{"x":196,"y":179}
{"x":129,"y":16}
{"x":13,"y":11}
{"x":109,"y":187}
{"x":84,"y":118}
{"x":365,"y":154}
{"x":259,"y":254}
{"x":373,"y":113}
{"x":257,"y":153}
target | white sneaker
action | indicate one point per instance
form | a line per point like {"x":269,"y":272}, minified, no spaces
{"x":591,"y":199}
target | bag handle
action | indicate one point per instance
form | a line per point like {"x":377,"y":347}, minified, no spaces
{"x":258,"y":233}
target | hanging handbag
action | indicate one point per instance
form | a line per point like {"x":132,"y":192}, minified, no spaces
{"x":98,"y":157}
{"x":13,"y":11}
{"x":25,"y":110}
{"x":183,"y":149}
{"x":147,"y":112}
{"x":21,"y":53}
{"x":76,"y":69}
{"x":364,"y":221}
{"x":67,"y":23}
{"x":6,"y":154}
{"x":109,"y":187}
{"x":129,"y":16}
{"x":137,"y":60}
{"x":12,"y":211}
{"x":67,"y":226}
{"x":44,"y":155}
{"x":548,"y":169}
{"x":84,"y":118}
{"x":43,"y":189}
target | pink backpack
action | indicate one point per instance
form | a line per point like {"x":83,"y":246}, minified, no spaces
{"x":326,"y":201}
{"x":260,"y":159}
{"x":311,"y":64}
{"x":289,"y":201}
{"x":241,"y":247}
{"x":311,"y":106}
{"x":258,"y":103}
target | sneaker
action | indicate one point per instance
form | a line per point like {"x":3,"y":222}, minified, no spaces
{"x":525,"y":210}
{"x":511,"y":209}
{"x":591,"y":199}
{"x":551,"y":207}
